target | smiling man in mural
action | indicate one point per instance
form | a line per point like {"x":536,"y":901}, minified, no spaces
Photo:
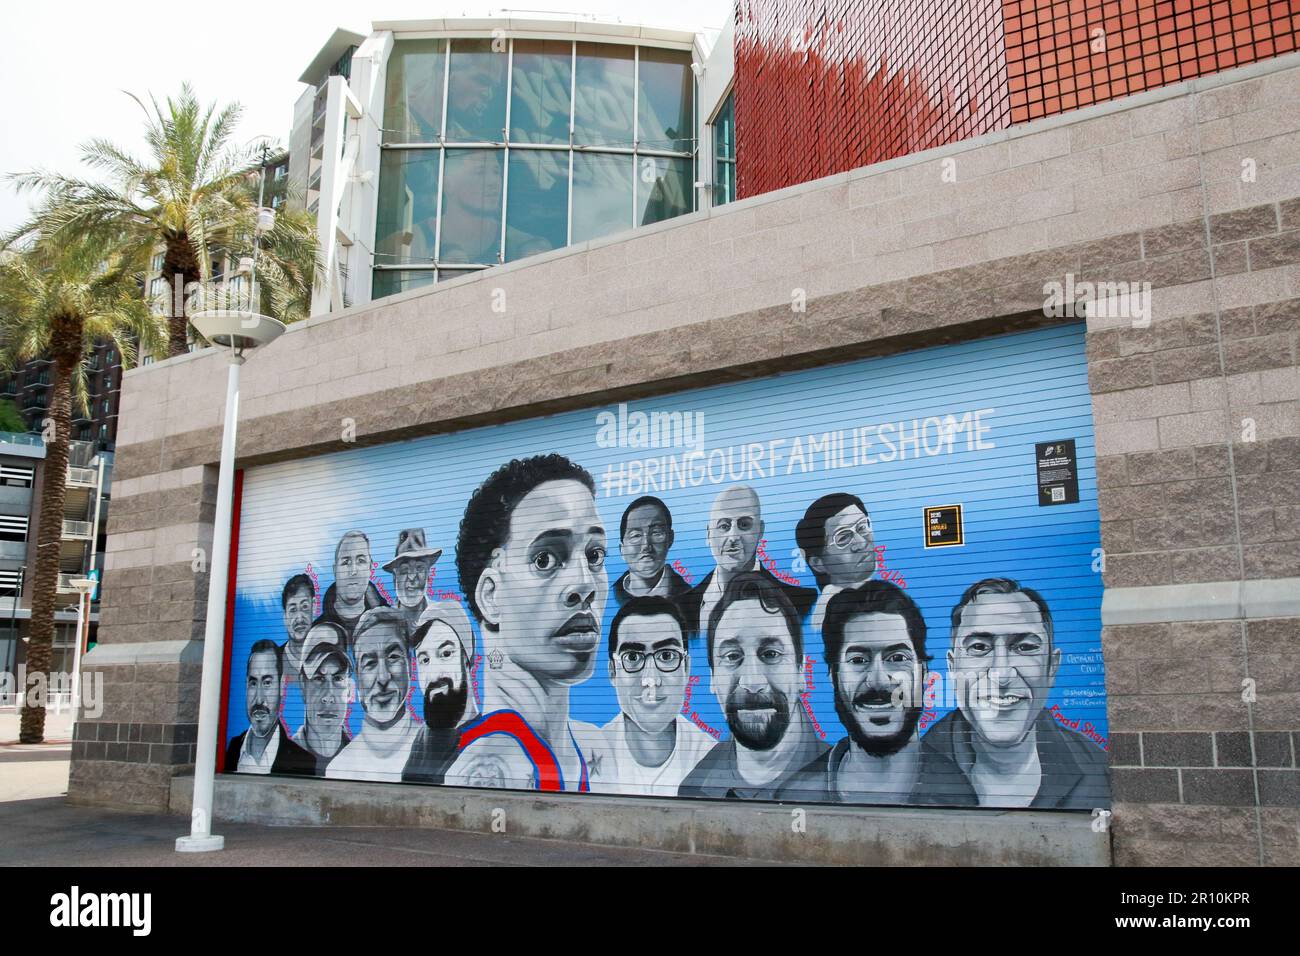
{"x":649,"y":667}
{"x":298,"y":603}
{"x":531,"y":559}
{"x":410,"y":570}
{"x":326,"y":680}
{"x":1011,"y":749}
{"x":444,"y":651}
{"x":837,"y":542}
{"x":875,"y":651}
{"x":382,"y":659}
{"x":645,"y":535}
{"x":756,"y":658}
{"x":352,"y":593}
{"x":265,"y":747}
{"x":734,"y":532}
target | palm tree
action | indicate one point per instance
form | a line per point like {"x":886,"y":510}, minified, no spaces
{"x":57,"y":300}
{"x":194,"y":198}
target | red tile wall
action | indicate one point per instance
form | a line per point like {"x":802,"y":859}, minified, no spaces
{"x":824,"y":86}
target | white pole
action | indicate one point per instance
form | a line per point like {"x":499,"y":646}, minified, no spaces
{"x":201,"y":838}
{"x":76,"y":664}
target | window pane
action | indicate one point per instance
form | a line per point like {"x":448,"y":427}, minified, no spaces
{"x":540,"y":88}
{"x":665,"y":92}
{"x":446,"y":275}
{"x":471,"y":206}
{"x":663,"y":190}
{"x":603,"y":95}
{"x":391,"y":282}
{"x":413,"y":101}
{"x":537,"y":203}
{"x":476,"y":93}
{"x":407,"y":221}
{"x":602,"y":195}
{"x":724,"y":148}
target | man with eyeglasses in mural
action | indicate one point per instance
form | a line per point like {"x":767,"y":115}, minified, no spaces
{"x":755,"y":649}
{"x":734,"y":532}
{"x":837,"y":542}
{"x":1013,"y":752}
{"x":649,"y":666}
{"x":645,"y":535}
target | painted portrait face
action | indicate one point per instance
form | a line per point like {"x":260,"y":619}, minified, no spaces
{"x":544,"y":590}
{"x":326,"y":695}
{"x":383,"y":672}
{"x":1004,"y":666}
{"x":878,"y":681}
{"x":262,"y":697}
{"x":649,"y":671}
{"x":298,"y":613}
{"x":409,"y":580}
{"x":352,"y":569}
{"x":735,"y":528}
{"x":849,"y":555}
{"x":756,"y":674}
{"x":646,"y":541}
{"x":440,"y":670}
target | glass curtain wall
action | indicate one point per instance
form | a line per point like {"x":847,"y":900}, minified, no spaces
{"x":494,"y":150}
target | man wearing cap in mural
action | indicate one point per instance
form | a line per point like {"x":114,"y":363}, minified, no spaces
{"x":649,"y":667}
{"x":381,"y":658}
{"x":734,"y":532}
{"x":755,"y":649}
{"x":298,"y":603}
{"x":326,"y":679}
{"x":874,"y":638}
{"x":837,"y":542}
{"x":1012,"y":750}
{"x":531,"y":559}
{"x":352,"y":593}
{"x":265,"y":747}
{"x":410,"y":570}
{"x":443,"y":642}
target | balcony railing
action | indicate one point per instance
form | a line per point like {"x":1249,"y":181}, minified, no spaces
{"x":81,"y":477}
{"x":83,"y":530}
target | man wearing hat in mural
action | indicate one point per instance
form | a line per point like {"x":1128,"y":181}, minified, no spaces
{"x":352,"y":593}
{"x":381,"y":657}
{"x":443,"y":642}
{"x":410,"y":570}
{"x":326,"y":680}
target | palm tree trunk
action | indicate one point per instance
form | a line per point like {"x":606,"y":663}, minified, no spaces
{"x":180,"y":262}
{"x":65,"y":350}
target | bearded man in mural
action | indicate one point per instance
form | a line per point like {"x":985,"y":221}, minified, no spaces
{"x":381,"y":657}
{"x":352,"y":593}
{"x":410,"y":570}
{"x":443,"y":641}
{"x":837,"y":542}
{"x":874,"y":640}
{"x":265,"y":747}
{"x":298,"y":604}
{"x":756,"y":658}
{"x":326,"y":680}
{"x":734,"y":532}
{"x":531,"y":559}
{"x":1012,"y":750}
{"x":649,"y":666}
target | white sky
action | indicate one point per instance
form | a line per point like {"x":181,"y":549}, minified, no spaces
{"x":67,"y":62}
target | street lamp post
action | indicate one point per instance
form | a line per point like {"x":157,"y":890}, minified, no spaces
{"x":237,"y":332}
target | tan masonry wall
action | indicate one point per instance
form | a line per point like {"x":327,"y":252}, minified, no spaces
{"x":1194,"y":189}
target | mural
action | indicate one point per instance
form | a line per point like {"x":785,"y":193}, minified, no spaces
{"x":869,"y":583}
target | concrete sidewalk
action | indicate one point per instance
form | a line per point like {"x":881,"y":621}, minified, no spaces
{"x":58,"y":726}
{"x":48,"y":832}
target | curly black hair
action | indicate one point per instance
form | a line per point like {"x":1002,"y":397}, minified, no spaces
{"x":486,"y":523}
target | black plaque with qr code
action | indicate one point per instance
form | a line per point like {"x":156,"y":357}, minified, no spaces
{"x":1058,"y":473}
{"x":943,"y":527}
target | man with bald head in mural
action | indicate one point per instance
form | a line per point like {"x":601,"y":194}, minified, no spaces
{"x":352,"y":593}
{"x":531,"y":560}
{"x":734,"y":532}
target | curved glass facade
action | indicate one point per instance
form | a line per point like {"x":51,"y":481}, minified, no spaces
{"x":498,"y":149}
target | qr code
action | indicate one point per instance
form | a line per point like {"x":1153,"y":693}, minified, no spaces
{"x":1058,"y":494}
